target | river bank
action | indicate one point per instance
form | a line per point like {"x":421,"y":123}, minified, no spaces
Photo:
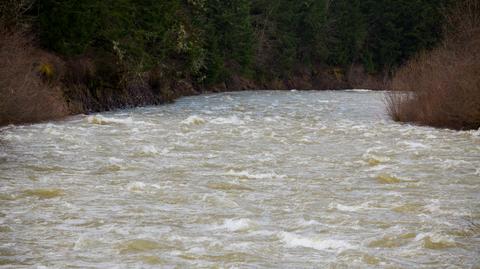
{"x":37,"y":85}
{"x":69,"y":57}
{"x":143,"y":92}
{"x":444,"y":83}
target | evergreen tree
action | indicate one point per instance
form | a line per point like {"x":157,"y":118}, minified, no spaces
{"x":229,"y":38}
{"x":348,"y":33}
{"x":212,"y":39}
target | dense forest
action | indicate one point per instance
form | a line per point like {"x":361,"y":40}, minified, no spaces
{"x":115,"y":53}
{"x":208,"y":40}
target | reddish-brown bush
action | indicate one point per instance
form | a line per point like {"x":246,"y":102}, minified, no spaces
{"x":79,"y":71}
{"x":441,"y":88}
{"x":28,"y":90}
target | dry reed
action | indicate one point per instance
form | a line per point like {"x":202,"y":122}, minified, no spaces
{"x":441,"y":88}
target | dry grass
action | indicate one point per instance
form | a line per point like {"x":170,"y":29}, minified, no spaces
{"x":27,"y":93}
{"x":443,"y":85}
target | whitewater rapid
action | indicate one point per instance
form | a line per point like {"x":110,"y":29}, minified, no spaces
{"x":262,"y":179}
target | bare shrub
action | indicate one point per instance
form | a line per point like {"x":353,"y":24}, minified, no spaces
{"x":25,"y":96}
{"x":444,"y":84}
{"x":12,"y":12}
{"x":79,"y":71}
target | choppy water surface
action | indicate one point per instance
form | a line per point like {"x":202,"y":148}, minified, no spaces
{"x":248,"y":180}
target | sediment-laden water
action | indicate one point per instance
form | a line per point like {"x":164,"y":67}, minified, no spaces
{"x":240,"y":180}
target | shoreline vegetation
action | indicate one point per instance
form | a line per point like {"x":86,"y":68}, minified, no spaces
{"x":71,"y":57}
{"x":443,"y":84}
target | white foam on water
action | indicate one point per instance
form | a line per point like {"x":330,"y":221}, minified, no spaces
{"x":197,"y":250}
{"x":234,"y":120}
{"x":475,"y":133}
{"x":114,"y":160}
{"x":349,"y":208}
{"x":85,"y":242}
{"x":377,"y":157}
{"x":306,"y":223}
{"x":101,"y":120}
{"x":293,"y":240}
{"x":246,"y":174}
{"x":51,"y":130}
{"x":136,"y":186}
{"x":377,"y":168}
{"x":11,"y":137}
{"x":149,"y":150}
{"x":236,"y":225}
{"x":375,"y":149}
{"x":199,"y":239}
{"x":435,"y":207}
{"x":393,"y":194}
{"x":194,"y":120}
{"x":449,"y":164}
{"x":413,"y":145}
{"x":4,"y":128}
{"x":360,"y":127}
{"x":264,"y":233}
{"x":371,"y":134}
{"x":243,"y":246}
{"x":156,"y":186}
{"x":269,"y":119}
{"x":359,"y":90}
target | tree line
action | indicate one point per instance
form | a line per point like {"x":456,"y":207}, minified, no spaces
{"x":207,"y":41}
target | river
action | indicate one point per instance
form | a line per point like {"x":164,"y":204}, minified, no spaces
{"x":267,"y":179}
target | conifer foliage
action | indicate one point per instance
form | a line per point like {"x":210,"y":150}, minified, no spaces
{"x":209,"y":40}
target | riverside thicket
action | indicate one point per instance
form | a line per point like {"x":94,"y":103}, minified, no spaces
{"x":443,"y":84}
{"x":117,"y":53}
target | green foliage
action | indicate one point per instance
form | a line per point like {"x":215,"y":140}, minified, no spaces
{"x":349,"y":32}
{"x":313,"y":38}
{"x":68,"y":27}
{"x":209,"y":40}
{"x":289,"y":33}
{"x":399,"y":29}
{"x":228,"y":37}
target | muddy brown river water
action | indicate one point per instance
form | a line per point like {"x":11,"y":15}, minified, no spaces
{"x":240,"y":180}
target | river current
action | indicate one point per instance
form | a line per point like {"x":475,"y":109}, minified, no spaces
{"x":267,"y":179}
